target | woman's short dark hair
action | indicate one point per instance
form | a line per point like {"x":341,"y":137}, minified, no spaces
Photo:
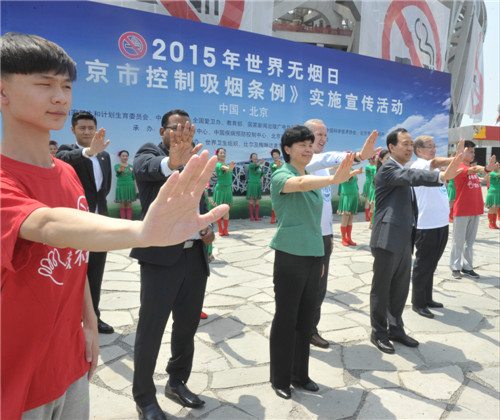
{"x":217,"y":150}
{"x":392,"y":137}
{"x":275,"y":151}
{"x":251,"y":154}
{"x":121,"y":151}
{"x":28,"y":54}
{"x":292,"y":135}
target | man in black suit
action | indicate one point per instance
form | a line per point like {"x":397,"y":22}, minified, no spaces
{"x":173,"y":278}
{"x":93,"y":166}
{"x":392,"y":238}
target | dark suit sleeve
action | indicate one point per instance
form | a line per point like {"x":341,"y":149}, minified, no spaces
{"x":70,"y":154}
{"x":147,"y":164}
{"x":394,"y":176}
{"x":107,"y":172}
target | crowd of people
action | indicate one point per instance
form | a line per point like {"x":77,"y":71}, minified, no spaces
{"x":54,"y":240}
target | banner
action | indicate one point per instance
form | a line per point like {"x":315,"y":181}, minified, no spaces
{"x":406,"y":31}
{"x":247,"y":15}
{"x":242,"y":90}
{"x":475,"y":74}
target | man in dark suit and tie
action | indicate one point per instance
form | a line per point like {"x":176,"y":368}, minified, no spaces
{"x":173,"y":278}
{"x":392,"y":238}
{"x":93,"y":166}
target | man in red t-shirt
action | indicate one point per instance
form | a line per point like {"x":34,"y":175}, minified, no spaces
{"x":48,"y":325}
{"x":468,"y":207}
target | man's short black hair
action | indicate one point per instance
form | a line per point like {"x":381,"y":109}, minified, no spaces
{"x":292,"y":135}
{"x":469,"y":143}
{"x":82,"y":115}
{"x":392,"y":137}
{"x":28,"y":54}
{"x":165,"y":118}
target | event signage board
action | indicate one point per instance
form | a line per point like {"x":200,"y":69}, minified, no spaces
{"x":241,"y":89}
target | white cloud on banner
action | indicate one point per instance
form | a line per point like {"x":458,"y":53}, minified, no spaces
{"x":418,"y":125}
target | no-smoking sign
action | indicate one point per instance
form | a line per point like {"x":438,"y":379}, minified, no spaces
{"x":411,"y":23}
{"x":132,"y":45}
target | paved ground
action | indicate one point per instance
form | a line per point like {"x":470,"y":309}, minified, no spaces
{"x":453,"y":374}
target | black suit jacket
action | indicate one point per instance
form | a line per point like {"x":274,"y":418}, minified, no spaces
{"x":72,"y":154}
{"x":149,"y":178}
{"x":396,"y":206}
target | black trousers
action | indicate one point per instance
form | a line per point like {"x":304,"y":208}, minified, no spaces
{"x":295,"y":293}
{"x":323,"y":280}
{"x":95,"y":271}
{"x":180,"y":289}
{"x":390,"y":287}
{"x":430,"y":245}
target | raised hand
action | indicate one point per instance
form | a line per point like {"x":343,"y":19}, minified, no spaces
{"x":368,"y":149}
{"x":173,"y":216}
{"x":460,"y":146}
{"x":181,"y":145}
{"x":343,"y":172}
{"x":452,"y":170}
{"x":232,"y":165}
{"x":98,"y":143}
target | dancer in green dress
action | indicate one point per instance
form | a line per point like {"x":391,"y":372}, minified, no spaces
{"x":451,"y":197}
{"x":369,"y":188}
{"x":275,"y":165}
{"x":493,"y":196}
{"x":348,"y":207}
{"x":223,"y":190}
{"x":126,"y":188}
{"x":254,"y":186}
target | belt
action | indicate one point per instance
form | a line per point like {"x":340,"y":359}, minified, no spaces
{"x":190,"y":243}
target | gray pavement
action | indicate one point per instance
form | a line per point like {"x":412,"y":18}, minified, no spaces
{"x":453,"y":374}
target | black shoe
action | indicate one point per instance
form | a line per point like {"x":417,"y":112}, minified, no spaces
{"x":318,"y":341}
{"x":403,"y":338}
{"x":423,"y":312}
{"x":104,"y":328}
{"x":434,"y":304}
{"x":151,"y":412}
{"x":382,"y":344}
{"x":470,"y":273}
{"x":284,"y":393}
{"x":182,"y":394}
{"x":308,"y":386}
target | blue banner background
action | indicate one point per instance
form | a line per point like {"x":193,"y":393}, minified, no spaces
{"x":416,"y":98}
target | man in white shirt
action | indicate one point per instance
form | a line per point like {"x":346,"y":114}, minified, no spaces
{"x":432,"y":227}
{"x":319,"y":165}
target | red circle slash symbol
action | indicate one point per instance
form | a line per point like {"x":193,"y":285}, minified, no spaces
{"x":395,"y":14}
{"x":132,"y":45}
{"x":231,"y":16}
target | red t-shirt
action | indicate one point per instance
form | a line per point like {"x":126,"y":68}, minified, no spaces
{"x":469,"y":198}
{"x":43,"y":347}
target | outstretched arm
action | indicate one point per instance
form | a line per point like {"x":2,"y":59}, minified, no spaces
{"x":312,"y":182}
{"x":172,"y":217}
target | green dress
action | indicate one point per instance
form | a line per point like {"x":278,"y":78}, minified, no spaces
{"x":493,"y":196}
{"x":223,"y":190}
{"x":451,"y":190}
{"x":349,"y":198}
{"x":254,"y":187}
{"x":368,"y":186}
{"x":125,"y":186}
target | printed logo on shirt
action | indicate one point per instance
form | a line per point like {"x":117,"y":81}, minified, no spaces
{"x":473,"y":182}
{"x":55,"y":262}
{"x":327,"y":193}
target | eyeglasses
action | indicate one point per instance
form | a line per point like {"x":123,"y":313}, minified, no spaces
{"x":428,"y":147}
